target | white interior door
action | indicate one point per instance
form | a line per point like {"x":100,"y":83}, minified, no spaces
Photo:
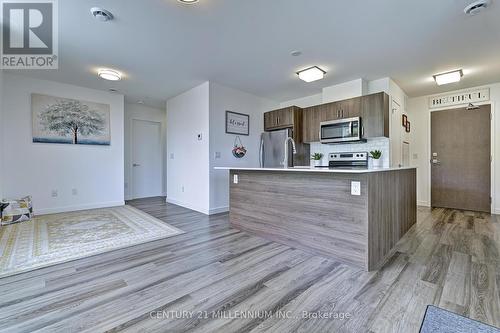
{"x":147,"y":168}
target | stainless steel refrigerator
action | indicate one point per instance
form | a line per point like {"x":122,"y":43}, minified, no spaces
{"x":272,"y":150}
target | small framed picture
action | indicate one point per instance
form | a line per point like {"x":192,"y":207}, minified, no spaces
{"x":407,"y":127}
{"x":405,"y":120}
{"x":237,"y":123}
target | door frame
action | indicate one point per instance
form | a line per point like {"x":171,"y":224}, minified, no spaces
{"x":492,"y":150}
{"x":131,"y":154}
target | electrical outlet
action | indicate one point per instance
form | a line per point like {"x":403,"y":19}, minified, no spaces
{"x":355,"y":188}
{"x":235,"y":179}
{"x":54,"y":193}
{"x":74,"y":191}
{"x":217,"y":154}
{"x":171,"y":156}
{"x":182,"y":189}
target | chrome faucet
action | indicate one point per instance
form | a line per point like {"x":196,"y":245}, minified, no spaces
{"x":294,"y":150}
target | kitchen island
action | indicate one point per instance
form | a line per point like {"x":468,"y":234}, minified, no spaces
{"x":351,"y":215}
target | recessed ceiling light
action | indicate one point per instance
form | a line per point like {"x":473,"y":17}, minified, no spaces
{"x":109,"y":74}
{"x":190,"y":2}
{"x":311,"y":74}
{"x":448,"y":77}
{"x":140,"y":101}
{"x":295,"y":53}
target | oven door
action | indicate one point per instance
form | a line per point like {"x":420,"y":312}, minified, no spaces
{"x":342,"y":130}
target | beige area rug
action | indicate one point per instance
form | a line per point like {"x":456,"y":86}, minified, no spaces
{"x":56,"y":238}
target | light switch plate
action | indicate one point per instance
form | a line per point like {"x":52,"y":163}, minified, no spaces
{"x":235,"y":179}
{"x":355,"y":188}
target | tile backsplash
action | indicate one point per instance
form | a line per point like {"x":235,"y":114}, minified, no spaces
{"x":381,"y":144}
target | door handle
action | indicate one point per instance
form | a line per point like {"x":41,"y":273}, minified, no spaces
{"x":135,"y":165}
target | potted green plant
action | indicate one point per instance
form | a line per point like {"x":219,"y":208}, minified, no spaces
{"x":316,"y":158}
{"x":376,"y":161}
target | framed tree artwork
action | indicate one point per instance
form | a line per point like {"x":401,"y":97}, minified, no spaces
{"x":70,"y":121}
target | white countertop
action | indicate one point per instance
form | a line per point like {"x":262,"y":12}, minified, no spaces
{"x":313,"y":169}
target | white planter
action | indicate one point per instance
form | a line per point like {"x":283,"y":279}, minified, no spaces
{"x":376,"y":163}
{"x":316,"y":163}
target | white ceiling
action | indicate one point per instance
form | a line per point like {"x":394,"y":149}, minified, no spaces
{"x":165,"y":47}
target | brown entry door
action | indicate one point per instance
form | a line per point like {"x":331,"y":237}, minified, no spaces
{"x":460,"y":161}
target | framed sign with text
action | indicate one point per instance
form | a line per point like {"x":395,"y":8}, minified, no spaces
{"x":237,"y":123}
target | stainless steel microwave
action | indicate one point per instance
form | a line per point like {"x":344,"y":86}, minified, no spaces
{"x":341,"y":130}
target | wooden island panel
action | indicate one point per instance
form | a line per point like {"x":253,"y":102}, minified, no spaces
{"x":316,"y":212}
{"x":303,"y":210}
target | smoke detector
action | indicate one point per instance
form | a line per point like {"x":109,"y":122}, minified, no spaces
{"x":477,"y":6}
{"x":101,"y":14}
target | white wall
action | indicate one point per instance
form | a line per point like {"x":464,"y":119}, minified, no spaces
{"x":1,"y":134}
{"x":419,"y":115}
{"x":37,"y":169}
{"x":224,"y":99}
{"x":142,"y":112}
{"x":188,"y":158}
{"x":344,"y":90}
{"x":304,"y":102}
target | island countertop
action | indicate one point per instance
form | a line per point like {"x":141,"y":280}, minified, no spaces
{"x":315,"y":169}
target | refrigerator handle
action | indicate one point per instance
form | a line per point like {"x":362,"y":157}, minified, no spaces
{"x":261,"y":152}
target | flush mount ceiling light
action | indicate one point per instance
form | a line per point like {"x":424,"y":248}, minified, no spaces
{"x":477,"y":6}
{"x":189,"y":2}
{"x":311,"y":74}
{"x":448,"y":77}
{"x":101,"y":14}
{"x":109,"y":74}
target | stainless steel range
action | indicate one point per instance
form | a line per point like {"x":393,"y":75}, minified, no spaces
{"x":348,"y":160}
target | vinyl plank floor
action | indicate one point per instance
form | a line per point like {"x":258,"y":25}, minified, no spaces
{"x":215,"y":278}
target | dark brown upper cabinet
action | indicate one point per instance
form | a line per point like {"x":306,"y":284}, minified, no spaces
{"x":289,"y":117}
{"x":375,"y":115}
{"x":373,"y":110}
{"x":312,"y":118}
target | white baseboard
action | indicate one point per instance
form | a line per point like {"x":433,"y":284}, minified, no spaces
{"x":496,"y":211}
{"x":188,"y":206}
{"x":423,"y":203}
{"x":219,"y":210}
{"x":43,"y":211}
